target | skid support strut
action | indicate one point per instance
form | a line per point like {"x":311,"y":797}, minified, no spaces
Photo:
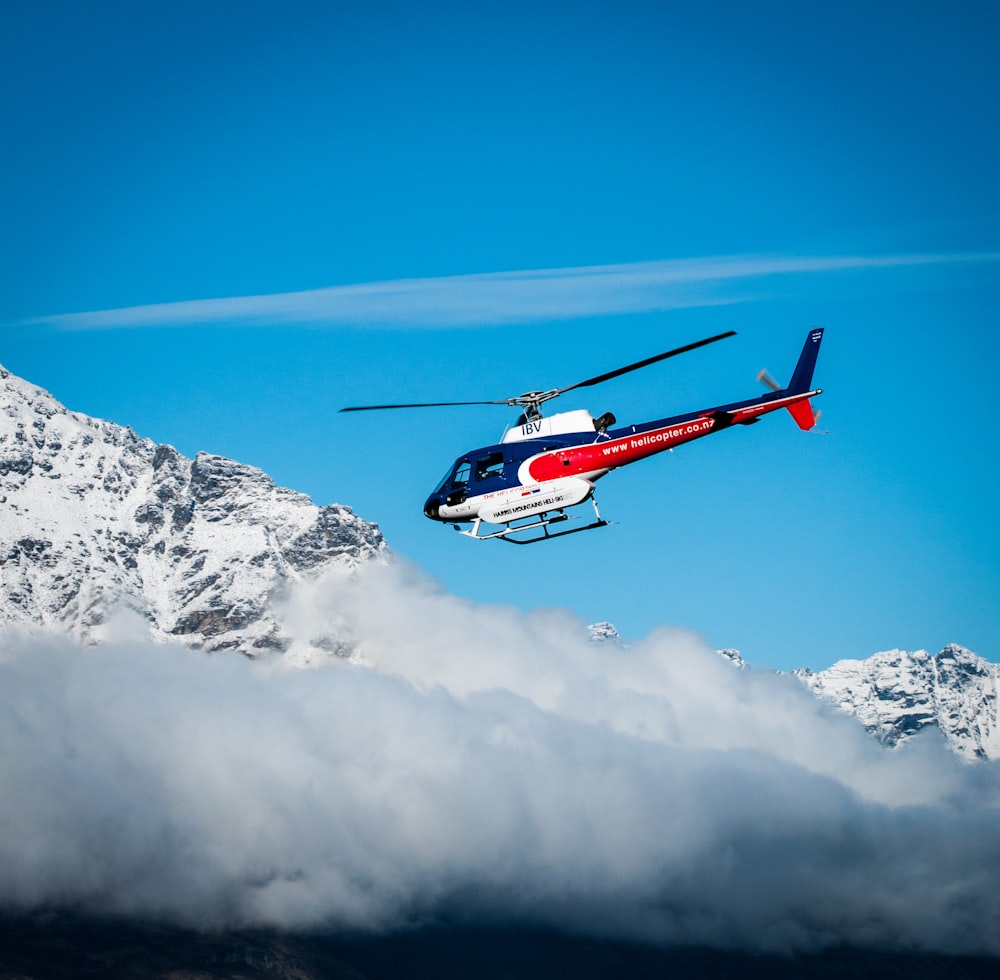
{"x":542,"y":521}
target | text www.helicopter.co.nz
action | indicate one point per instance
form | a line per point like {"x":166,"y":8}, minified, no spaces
{"x":664,"y":435}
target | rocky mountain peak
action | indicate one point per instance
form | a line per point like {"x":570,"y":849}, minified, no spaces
{"x":603,"y":632}
{"x":898,"y":693}
{"x":93,"y":516}
{"x":734,"y":657}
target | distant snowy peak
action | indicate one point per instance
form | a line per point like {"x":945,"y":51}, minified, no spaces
{"x":896,"y":694}
{"x":733,"y":656}
{"x":603,"y":632}
{"x":92,"y":515}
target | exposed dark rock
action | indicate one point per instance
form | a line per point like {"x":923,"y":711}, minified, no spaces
{"x":197,"y":546}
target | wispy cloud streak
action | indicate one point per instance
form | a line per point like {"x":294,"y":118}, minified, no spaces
{"x":504,"y":297}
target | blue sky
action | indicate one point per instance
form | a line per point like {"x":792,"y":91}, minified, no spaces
{"x":452,"y":201}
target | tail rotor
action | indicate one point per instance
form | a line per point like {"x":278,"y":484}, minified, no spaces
{"x":765,"y":379}
{"x":800,"y":416}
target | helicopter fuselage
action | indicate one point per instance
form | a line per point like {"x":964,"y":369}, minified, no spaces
{"x":547,"y":464}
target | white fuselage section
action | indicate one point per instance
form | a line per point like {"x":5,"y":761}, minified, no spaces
{"x":503,"y":506}
{"x":563,"y":423}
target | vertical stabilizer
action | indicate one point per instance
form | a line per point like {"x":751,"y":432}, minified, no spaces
{"x":802,"y":378}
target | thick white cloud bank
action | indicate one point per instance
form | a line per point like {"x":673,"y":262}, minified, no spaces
{"x":481,"y":766}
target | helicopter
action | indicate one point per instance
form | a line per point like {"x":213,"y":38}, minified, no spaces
{"x":517,"y":489}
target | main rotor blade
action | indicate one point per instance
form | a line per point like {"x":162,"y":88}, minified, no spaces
{"x":533,"y":399}
{"x":372,"y":408}
{"x":649,"y":360}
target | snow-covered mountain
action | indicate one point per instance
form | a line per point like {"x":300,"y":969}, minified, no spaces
{"x":92,"y":516}
{"x":734,"y":657}
{"x":603,"y":632}
{"x":895,"y":694}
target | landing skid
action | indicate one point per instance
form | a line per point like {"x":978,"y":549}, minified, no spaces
{"x":543,"y":521}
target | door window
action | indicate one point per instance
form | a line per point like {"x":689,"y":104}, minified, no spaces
{"x":489,"y":466}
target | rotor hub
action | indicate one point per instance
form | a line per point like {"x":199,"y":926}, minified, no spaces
{"x":531,"y":401}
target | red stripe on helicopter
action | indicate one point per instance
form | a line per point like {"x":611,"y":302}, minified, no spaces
{"x":600,"y":457}
{"x":617,"y":452}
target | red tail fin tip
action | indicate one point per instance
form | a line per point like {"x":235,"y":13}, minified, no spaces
{"x":803,"y":414}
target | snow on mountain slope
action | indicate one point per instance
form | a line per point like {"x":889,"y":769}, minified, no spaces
{"x":603,"y":632}
{"x":896,"y":694}
{"x":92,"y":516}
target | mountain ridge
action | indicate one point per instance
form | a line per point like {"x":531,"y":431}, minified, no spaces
{"x":896,"y":694}
{"x":93,"y":516}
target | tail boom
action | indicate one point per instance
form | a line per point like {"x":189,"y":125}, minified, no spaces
{"x":619,"y":447}
{"x":797,"y":404}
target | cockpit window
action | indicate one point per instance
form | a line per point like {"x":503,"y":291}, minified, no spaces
{"x":457,"y":476}
{"x":489,"y":466}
